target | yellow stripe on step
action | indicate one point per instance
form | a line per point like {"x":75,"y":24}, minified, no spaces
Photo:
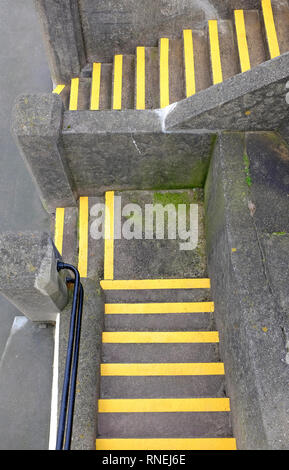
{"x":95,"y":87}
{"x":109,"y":236}
{"x":167,"y":444}
{"x":117,"y":81}
{"x":164,"y":73}
{"x":142,"y":337}
{"x":242,"y":41}
{"x":57,"y":90}
{"x":215,"y":52}
{"x":127,"y":370}
{"x":163,"y":405}
{"x":83,"y":236}
{"x":59,"y":228}
{"x":156,"y":284}
{"x":73,"y":103}
{"x":179,"y":307}
{"x":270,"y":29}
{"x":189,"y":62}
{"x":140,"y":78}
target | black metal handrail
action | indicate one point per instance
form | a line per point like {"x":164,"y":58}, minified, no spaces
{"x":65,"y":425}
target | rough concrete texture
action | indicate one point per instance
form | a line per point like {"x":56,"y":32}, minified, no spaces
{"x":121,"y":26}
{"x":144,"y":258}
{"x":29,"y":277}
{"x":62,"y":34}
{"x":128,"y":150}
{"x":254,"y":100}
{"x":36,"y":125}
{"x":25,"y":386}
{"x":251,"y":322}
{"x":87,"y":390}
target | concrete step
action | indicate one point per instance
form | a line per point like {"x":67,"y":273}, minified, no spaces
{"x":169,"y":386}
{"x":228,"y":49}
{"x":176,"y":71}
{"x":160,"y":353}
{"x":157,"y":295}
{"x":202,"y":60}
{"x":255,"y":37}
{"x":170,"y":322}
{"x":84,"y":91}
{"x":164,"y":425}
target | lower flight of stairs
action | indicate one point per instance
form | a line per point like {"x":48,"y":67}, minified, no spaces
{"x":177,"y":68}
{"x":162,"y":382}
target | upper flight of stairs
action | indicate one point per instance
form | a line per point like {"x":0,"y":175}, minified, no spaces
{"x":162,"y":382}
{"x":178,"y":68}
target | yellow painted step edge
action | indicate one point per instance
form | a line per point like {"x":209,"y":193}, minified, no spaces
{"x":95,"y":86}
{"x":142,"y":337}
{"x":83,"y":236}
{"x":242,"y":41}
{"x":163,"y":405}
{"x":140,"y":78}
{"x":167,"y":444}
{"x":58,"y":89}
{"x":59,"y":228}
{"x":164,"y":73}
{"x":155,"y":308}
{"x":215,"y":52}
{"x":117,"y":81}
{"x":189,"y":62}
{"x":148,"y":284}
{"x":73,"y":103}
{"x":109,"y":236}
{"x":270,"y":29}
{"x":166,"y":369}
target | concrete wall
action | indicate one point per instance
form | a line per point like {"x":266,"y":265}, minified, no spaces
{"x":78,"y":30}
{"x":244,"y":266}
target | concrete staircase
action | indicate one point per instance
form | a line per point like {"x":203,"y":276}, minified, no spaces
{"x":162,"y":382}
{"x":178,"y":68}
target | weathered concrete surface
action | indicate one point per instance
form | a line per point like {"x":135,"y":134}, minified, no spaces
{"x":36,"y":125}
{"x":128,"y":150}
{"x":87,"y":390}
{"x":25,"y":386}
{"x":251,"y":323}
{"x":158,"y":258}
{"x":121,"y":26}
{"x":62,"y":34}
{"x":254,"y":100}
{"x":29,"y":277}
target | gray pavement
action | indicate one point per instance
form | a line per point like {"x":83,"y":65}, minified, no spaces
{"x":23,"y":69}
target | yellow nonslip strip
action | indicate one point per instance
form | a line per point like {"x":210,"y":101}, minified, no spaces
{"x":179,"y":307}
{"x":140,"y":78}
{"x":142,"y":337}
{"x":134,"y":370}
{"x":156,"y":284}
{"x":109,"y":236}
{"x":164,"y":72}
{"x":83,"y":236}
{"x":167,"y":444}
{"x":270,"y":29}
{"x":242,"y":41}
{"x":73,"y":103}
{"x":95,"y":87}
{"x":59,"y":228}
{"x":57,"y":90}
{"x":189,"y":62}
{"x":163,"y":405}
{"x":215,"y":52}
{"x":117,"y":81}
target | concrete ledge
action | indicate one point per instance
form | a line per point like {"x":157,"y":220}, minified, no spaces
{"x":129,"y":150}
{"x":254,"y":100}
{"x":29,"y":277}
{"x":252,"y":324}
{"x":36,"y":125}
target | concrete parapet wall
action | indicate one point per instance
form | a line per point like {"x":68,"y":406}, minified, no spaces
{"x":29,"y":277}
{"x":249,"y":311}
{"x":254,"y":100}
